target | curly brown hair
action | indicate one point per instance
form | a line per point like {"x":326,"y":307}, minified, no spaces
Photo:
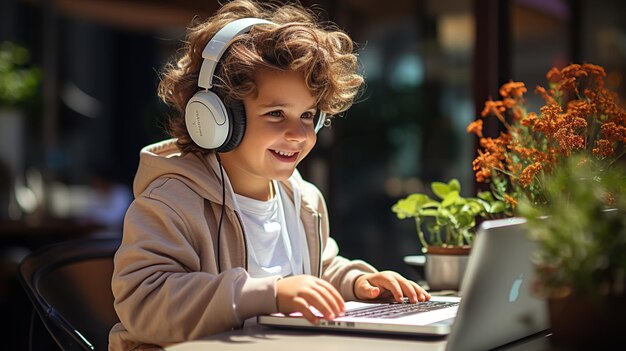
{"x":297,"y":41}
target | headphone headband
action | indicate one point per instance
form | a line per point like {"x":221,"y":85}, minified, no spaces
{"x":216,"y":47}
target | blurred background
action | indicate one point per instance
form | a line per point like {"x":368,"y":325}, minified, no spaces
{"x":78,"y":100}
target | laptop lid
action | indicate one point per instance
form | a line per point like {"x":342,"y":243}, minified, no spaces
{"x":497,"y":306}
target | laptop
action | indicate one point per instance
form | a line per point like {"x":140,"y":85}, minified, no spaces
{"x":497,"y":305}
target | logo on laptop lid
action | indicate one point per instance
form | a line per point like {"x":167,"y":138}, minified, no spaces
{"x":514,"y":292}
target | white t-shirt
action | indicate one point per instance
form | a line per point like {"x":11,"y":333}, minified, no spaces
{"x":275,"y":235}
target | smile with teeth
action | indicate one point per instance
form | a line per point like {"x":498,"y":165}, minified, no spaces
{"x":284,"y":153}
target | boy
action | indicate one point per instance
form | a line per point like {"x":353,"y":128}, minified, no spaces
{"x":223,"y":228}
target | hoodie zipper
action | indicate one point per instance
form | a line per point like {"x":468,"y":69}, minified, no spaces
{"x":245,"y":243}
{"x":319,"y":243}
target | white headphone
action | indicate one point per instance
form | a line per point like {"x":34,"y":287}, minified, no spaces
{"x":210,"y":123}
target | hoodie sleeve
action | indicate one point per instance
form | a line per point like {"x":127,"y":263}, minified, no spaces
{"x":165,"y":292}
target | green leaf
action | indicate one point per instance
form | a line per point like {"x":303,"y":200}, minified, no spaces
{"x":412,"y":205}
{"x":440,"y":189}
{"x":466,"y":220}
{"x":474,"y":207}
{"x":486,"y":195}
{"x":497,"y":207}
{"x":450,"y":199}
{"x":418,"y":199}
{"x":454,"y":184}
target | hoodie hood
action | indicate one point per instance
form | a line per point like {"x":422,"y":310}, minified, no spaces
{"x":164,"y":159}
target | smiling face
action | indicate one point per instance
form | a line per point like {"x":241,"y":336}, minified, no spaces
{"x":279,"y":133}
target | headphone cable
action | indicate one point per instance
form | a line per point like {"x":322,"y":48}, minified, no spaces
{"x":219,"y":226}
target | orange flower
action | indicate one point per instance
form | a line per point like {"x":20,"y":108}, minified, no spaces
{"x":573,"y":71}
{"x":580,"y":116}
{"x":486,"y":161}
{"x":614,"y":132}
{"x":495,"y":145}
{"x":554,"y":75}
{"x":529,"y":120}
{"x":545,"y":96}
{"x":581,"y":108}
{"x":568,"y":140}
{"x":603,"y":149}
{"x":597,"y":72}
{"x":509,"y":200}
{"x":509,"y":103}
{"x":548,"y":123}
{"x":594,"y":69}
{"x":476,"y":127}
{"x":569,"y":84}
{"x":493,"y":107}
{"x":525,"y":153}
{"x":529,"y":173}
{"x":483,"y":165}
{"x":512,"y":89}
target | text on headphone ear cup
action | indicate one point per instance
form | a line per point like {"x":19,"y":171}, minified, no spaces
{"x":207,"y":120}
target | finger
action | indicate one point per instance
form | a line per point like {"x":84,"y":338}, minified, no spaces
{"x":408,"y":290}
{"x":373,"y":292}
{"x":422,"y":294}
{"x":394,"y":287}
{"x":364,"y":290}
{"x":390,"y":283}
{"x":318,"y":300}
{"x":335,"y":305}
{"x":303,"y":307}
{"x":338,"y":299}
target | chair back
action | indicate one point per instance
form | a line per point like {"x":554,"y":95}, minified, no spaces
{"x":69,"y":284}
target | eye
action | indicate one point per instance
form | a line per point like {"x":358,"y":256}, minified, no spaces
{"x":307,"y":115}
{"x":275,"y":113}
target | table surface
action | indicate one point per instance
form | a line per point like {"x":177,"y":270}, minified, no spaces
{"x":261,"y":338}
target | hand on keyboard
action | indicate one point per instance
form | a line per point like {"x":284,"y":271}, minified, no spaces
{"x":375,"y":285}
{"x":299,"y":293}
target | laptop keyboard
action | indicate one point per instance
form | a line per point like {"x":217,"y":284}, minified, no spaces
{"x":394,"y":310}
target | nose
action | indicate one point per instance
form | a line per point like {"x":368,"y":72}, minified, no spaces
{"x":296,"y":131}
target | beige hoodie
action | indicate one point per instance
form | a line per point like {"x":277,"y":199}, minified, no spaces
{"x":167,"y":283}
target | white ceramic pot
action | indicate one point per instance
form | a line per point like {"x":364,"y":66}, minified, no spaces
{"x":442,"y":268}
{"x":445,"y":272}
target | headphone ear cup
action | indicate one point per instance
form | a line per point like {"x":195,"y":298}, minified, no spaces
{"x":207,"y":120}
{"x":237,"y":116}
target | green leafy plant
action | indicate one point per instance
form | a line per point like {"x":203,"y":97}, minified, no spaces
{"x":449,"y":220}
{"x":581,"y":243}
{"x":18,"y":81}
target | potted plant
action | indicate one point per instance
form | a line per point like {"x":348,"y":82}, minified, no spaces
{"x":446,"y":229}
{"x":581,"y":257}
{"x":559,"y":167}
